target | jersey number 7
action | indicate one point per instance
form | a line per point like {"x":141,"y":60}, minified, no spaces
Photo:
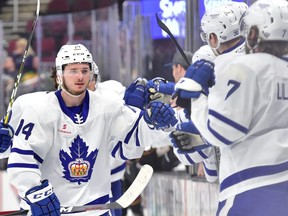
{"x":235,"y":86}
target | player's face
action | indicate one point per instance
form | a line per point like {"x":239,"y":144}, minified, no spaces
{"x":76,"y":78}
{"x":177,"y":72}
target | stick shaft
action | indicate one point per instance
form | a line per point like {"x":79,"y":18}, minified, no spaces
{"x":166,"y":29}
{"x":135,"y":189}
{"x":19,"y":74}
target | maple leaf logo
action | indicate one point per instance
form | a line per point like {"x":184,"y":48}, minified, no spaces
{"x":79,"y":166}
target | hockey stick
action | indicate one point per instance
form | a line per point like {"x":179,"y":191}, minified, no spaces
{"x":14,"y":91}
{"x":136,"y":188}
{"x":166,"y":29}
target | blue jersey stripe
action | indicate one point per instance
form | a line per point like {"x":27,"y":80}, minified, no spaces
{"x":253,"y":172}
{"x":127,"y":138}
{"x":21,"y":151}
{"x":119,"y":148}
{"x":137,"y":137}
{"x":203,"y":155}
{"x":217,"y":135}
{"x":27,"y":152}
{"x":210,"y":172}
{"x":115,"y":149}
{"x":100,"y":200}
{"x":189,"y":159}
{"x":22,"y":165}
{"x":118,"y":169}
{"x":228,"y":121}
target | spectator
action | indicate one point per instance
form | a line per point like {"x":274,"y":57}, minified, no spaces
{"x":30,"y":68}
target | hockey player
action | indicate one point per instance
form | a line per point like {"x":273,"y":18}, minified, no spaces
{"x":221,"y":30}
{"x":183,"y":132}
{"x":111,"y":89}
{"x":245,"y":114}
{"x":64,"y":137}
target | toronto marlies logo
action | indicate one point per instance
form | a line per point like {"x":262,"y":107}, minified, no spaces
{"x":79,"y":166}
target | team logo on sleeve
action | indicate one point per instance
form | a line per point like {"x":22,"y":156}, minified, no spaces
{"x":78,"y":164}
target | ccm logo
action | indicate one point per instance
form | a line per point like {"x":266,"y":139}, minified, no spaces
{"x":43,"y":194}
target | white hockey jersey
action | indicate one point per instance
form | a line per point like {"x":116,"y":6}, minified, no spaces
{"x":246,"y":116}
{"x":207,"y":155}
{"x":72,"y":150}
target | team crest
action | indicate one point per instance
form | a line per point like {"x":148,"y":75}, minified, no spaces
{"x":78,"y":164}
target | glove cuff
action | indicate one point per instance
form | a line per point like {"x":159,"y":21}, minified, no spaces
{"x":39,"y":193}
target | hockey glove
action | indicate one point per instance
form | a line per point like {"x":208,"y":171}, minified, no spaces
{"x":188,"y":127}
{"x":187,"y":138}
{"x":198,"y":78}
{"x":6,"y":136}
{"x":160,"y":85}
{"x":186,"y":142}
{"x":135,"y":93}
{"x":42,"y":200}
{"x":160,"y":115}
{"x":158,"y":89}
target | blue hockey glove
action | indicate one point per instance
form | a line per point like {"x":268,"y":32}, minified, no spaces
{"x":160,"y":85}
{"x":6,"y":136}
{"x":160,"y":115}
{"x":198,"y":78}
{"x":158,"y":89}
{"x":135,"y":93}
{"x":42,"y":200}
{"x":188,"y":127}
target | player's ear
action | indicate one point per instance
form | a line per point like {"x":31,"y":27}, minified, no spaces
{"x":213,"y":40}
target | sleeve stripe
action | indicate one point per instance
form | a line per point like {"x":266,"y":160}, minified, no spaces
{"x":21,"y":151}
{"x":137,"y":137}
{"x":202,"y":154}
{"x":189,"y":159}
{"x":27,"y":152}
{"x":38,"y":158}
{"x":209,"y":171}
{"x":253,"y":173}
{"x":228,"y":121}
{"x":118,"y":169}
{"x":22,"y":165}
{"x":126,"y":140}
{"x":217,"y":135}
{"x":119,"y":148}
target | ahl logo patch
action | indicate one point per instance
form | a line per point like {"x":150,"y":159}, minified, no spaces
{"x":79,"y":166}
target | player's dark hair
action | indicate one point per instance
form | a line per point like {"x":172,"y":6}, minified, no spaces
{"x":54,"y":77}
{"x":276,"y":48}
